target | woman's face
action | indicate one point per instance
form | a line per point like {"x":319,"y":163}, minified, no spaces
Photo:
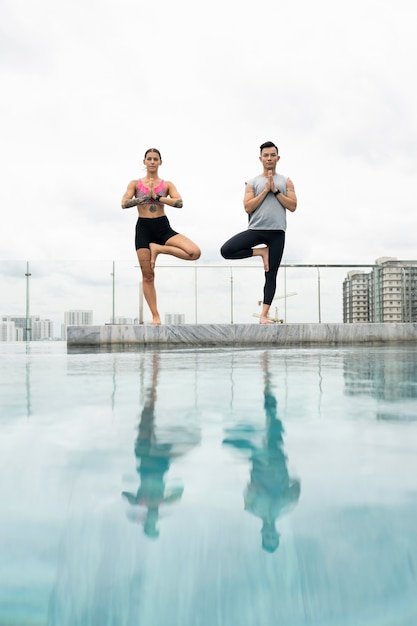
{"x":152,"y":161}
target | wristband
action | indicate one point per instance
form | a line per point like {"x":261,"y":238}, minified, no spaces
{"x":277,"y":192}
{"x":158,"y":197}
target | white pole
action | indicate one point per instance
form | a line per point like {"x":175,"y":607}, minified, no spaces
{"x":28,"y":327}
{"x":140,"y":303}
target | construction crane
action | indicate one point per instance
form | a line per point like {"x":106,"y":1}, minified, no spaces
{"x":276,"y":319}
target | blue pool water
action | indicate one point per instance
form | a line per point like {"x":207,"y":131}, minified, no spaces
{"x":217,"y":487}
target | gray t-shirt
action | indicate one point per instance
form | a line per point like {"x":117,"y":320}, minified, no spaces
{"x":270,"y":215}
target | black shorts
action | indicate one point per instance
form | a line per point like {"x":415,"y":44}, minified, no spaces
{"x":152,"y":230}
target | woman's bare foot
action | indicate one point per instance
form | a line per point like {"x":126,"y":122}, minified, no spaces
{"x":153,"y":247}
{"x":264,"y":320}
{"x":156,"y":321}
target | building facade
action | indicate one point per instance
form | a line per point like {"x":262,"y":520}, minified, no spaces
{"x":174,"y":318}
{"x":42,"y":330}
{"x":9,"y":332}
{"x":22,"y":328}
{"x":77,"y":317}
{"x":387,"y":294}
{"x":356,"y":297}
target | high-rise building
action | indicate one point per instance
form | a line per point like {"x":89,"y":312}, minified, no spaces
{"x":76,"y":318}
{"x":123,"y":320}
{"x":9,"y":332}
{"x":174,"y":318}
{"x":356,"y":297}
{"x":42,"y":330}
{"x":30,"y":328}
{"x":387,"y":294}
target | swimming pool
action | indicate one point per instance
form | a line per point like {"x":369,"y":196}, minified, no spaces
{"x":208,"y":487}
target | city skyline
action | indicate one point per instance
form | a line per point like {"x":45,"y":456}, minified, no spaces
{"x":178,"y":285}
{"x":388,"y":293}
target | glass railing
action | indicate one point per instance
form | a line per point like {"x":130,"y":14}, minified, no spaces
{"x":197,"y":292}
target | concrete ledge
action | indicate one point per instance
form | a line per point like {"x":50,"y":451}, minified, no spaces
{"x":238,"y":334}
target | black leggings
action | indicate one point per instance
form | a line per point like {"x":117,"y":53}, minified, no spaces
{"x":240,"y":247}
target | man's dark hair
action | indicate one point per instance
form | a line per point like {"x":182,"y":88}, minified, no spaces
{"x":269,"y":144}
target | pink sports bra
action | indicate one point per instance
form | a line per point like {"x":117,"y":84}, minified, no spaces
{"x":142,"y":190}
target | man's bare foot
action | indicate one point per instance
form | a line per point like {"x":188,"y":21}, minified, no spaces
{"x":264,"y":320}
{"x":153,"y":247}
{"x":264,"y":253}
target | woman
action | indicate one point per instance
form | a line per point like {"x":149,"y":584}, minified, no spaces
{"x":154,"y":234}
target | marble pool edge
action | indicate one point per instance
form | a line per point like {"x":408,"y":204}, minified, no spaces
{"x":239,"y":334}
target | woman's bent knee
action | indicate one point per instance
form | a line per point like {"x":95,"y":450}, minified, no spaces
{"x":195,"y":253}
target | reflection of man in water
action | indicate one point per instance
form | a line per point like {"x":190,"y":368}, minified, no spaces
{"x":271,"y":491}
{"x":153,"y":461}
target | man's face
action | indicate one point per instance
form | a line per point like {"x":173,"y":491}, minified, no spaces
{"x":269,"y":157}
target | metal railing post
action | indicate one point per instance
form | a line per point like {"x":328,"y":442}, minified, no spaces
{"x":28,"y":329}
{"x":319,"y":294}
{"x":231,"y":295}
{"x":113,"y":318}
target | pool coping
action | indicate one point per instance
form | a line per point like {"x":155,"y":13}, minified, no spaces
{"x":239,"y":334}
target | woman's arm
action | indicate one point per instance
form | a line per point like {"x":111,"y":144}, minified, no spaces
{"x":172,"y":197}
{"x":128,"y":195}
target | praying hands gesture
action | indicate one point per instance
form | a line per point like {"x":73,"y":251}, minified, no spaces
{"x":151,"y":193}
{"x":270,"y":185}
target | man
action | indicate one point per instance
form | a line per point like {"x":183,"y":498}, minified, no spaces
{"x":267,"y":198}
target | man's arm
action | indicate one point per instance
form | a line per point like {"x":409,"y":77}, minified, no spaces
{"x":289,"y":201}
{"x":252,"y":202}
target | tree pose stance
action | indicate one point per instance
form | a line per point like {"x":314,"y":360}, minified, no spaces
{"x":266,"y":201}
{"x":154,"y":234}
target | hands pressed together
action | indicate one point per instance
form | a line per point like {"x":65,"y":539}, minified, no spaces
{"x":151,"y":195}
{"x":270,"y":185}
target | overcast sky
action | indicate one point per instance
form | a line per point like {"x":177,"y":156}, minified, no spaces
{"x":87,"y":87}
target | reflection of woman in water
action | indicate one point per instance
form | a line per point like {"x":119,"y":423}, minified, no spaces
{"x":153,"y":461}
{"x":271,"y":491}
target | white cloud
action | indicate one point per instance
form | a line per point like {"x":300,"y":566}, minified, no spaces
{"x":87,"y":88}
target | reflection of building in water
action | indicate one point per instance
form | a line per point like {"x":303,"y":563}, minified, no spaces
{"x":386,"y":374}
{"x":153,"y":460}
{"x":271,"y":491}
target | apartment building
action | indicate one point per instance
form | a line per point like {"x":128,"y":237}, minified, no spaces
{"x":76,"y":317}
{"x":356,"y":297}
{"x":22,"y":328}
{"x":387,"y":294}
{"x":42,"y":330}
{"x":9,"y":332}
{"x":174,"y":318}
